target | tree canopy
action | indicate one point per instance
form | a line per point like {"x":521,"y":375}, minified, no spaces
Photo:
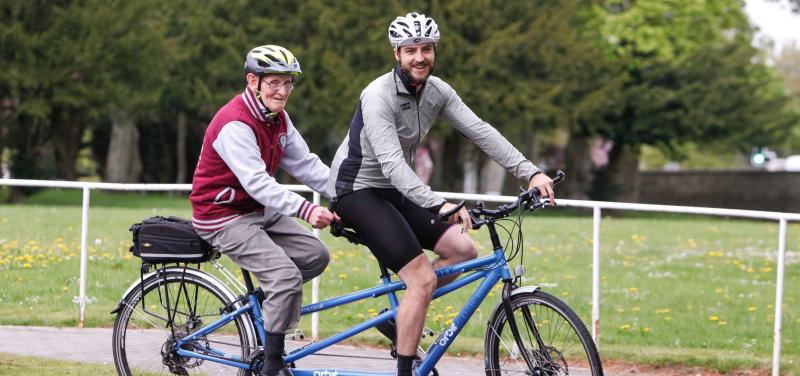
{"x":137,"y":82}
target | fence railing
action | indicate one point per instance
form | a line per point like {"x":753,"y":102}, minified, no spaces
{"x":596,"y":206}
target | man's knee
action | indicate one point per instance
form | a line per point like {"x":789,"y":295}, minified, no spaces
{"x":455,"y":244}
{"x":316,"y":263}
{"x":419,"y":276}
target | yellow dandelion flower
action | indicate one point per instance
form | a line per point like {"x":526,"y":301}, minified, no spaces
{"x":667,"y":318}
{"x":620,"y":310}
{"x":65,"y":288}
{"x":662,"y":310}
{"x":448,"y":322}
{"x":751,"y":308}
{"x":448,"y":308}
{"x":749,"y":270}
{"x":717,"y":290}
{"x":633,"y":289}
{"x":635,"y":309}
{"x":714,"y":318}
{"x":646,"y":329}
{"x":26,"y":265}
{"x":343,"y":276}
{"x":624,"y":326}
{"x":723,"y":323}
{"x":766,"y":269}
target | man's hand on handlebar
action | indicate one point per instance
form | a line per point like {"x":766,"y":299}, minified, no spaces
{"x":544,"y":185}
{"x":460,"y":216}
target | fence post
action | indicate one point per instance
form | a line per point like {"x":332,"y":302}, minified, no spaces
{"x":776,"y":346}
{"x":84,"y":257}
{"x":596,"y":276}
{"x":315,"y":289}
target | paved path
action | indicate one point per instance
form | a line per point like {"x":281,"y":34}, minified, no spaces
{"x":93,"y":345}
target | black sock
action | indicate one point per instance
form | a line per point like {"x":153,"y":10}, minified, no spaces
{"x":273,"y":354}
{"x":404,"y":364}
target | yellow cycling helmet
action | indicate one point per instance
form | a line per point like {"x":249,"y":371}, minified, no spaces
{"x":271,"y":59}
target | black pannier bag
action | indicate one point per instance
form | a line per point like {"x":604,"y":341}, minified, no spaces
{"x":166,"y":240}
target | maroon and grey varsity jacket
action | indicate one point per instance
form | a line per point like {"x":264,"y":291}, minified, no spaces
{"x":241,"y":152}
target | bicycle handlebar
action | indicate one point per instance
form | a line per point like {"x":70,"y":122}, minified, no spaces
{"x":531,"y":199}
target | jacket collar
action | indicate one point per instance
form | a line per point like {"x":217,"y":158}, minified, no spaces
{"x":256,"y":109}
{"x":403,"y":83}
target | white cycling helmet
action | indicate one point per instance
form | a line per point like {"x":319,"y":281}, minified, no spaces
{"x":413,"y":28}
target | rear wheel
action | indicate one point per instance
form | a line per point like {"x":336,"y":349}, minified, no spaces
{"x":172,"y":306}
{"x":554,"y":340}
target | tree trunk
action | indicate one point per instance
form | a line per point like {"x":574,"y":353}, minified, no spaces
{"x":180,"y":149}
{"x":470,"y":167}
{"x":33,"y":157}
{"x":437,"y":157}
{"x":449,"y":166}
{"x":124,"y":163}
{"x":623,"y":168}
{"x":492,"y":177}
{"x":579,"y":168}
{"x":67,"y":145}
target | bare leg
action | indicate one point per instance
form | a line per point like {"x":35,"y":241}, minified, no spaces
{"x":453,"y":247}
{"x":420,"y":281}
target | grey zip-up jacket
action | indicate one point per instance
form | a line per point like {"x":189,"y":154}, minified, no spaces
{"x":387,"y":128}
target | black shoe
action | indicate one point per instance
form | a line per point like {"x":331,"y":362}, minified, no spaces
{"x":388,"y":328}
{"x":282,"y":372}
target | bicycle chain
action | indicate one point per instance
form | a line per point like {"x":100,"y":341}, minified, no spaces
{"x":352,"y":356}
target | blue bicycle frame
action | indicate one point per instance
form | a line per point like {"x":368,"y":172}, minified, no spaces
{"x":491,"y":269}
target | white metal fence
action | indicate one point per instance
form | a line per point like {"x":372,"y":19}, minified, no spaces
{"x":596,"y":206}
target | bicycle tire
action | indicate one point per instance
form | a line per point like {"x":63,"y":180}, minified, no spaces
{"x":557,"y":324}
{"x":141,"y":333}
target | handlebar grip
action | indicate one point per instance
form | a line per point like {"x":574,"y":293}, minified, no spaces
{"x":556,"y":179}
{"x":443,"y":216}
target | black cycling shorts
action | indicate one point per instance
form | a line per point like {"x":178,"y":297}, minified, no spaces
{"x":393,"y":227}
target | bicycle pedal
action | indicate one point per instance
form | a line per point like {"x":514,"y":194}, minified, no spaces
{"x":299,"y":333}
{"x":427,"y":332}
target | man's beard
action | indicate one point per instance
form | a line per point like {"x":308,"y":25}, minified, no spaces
{"x":409,"y":75}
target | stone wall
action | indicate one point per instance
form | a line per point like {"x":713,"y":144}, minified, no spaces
{"x":749,"y":189}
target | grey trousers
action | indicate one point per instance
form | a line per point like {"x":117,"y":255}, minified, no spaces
{"x":281,"y":253}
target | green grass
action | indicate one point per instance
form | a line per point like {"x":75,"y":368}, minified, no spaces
{"x":31,"y":366}
{"x":692,"y":290}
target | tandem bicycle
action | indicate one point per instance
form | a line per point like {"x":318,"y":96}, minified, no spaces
{"x":178,"y":319}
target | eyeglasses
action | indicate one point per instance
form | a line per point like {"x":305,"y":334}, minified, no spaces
{"x":276,"y":85}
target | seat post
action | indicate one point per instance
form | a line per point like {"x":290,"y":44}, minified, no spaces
{"x":248,"y":282}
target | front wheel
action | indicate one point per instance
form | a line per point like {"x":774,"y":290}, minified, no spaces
{"x":553,"y":338}
{"x":170,"y":306}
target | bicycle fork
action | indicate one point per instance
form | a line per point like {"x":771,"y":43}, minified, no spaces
{"x":512,"y":324}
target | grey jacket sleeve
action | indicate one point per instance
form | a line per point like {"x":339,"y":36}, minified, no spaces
{"x":301,"y":163}
{"x":381,"y":134}
{"x":484,"y":135}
